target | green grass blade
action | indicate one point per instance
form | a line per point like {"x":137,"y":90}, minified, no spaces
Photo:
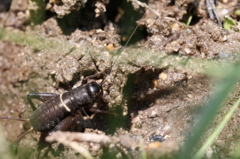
{"x":210,"y":110}
{"x":189,"y":20}
{"x":218,"y":130}
{"x":4,"y":148}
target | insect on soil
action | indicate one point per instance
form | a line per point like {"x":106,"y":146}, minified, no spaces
{"x":65,"y":110}
{"x":61,"y":111}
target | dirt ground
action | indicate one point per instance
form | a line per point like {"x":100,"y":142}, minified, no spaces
{"x":154,"y":102}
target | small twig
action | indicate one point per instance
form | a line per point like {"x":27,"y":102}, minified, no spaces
{"x":211,"y":8}
{"x":79,"y":137}
{"x":72,"y":139}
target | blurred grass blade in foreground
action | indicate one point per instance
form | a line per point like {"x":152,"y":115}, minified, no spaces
{"x":4,"y":150}
{"x":217,"y":131}
{"x":222,"y":89}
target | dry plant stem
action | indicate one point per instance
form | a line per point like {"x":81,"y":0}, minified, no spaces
{"x":72,"y":139}
{"x":211,"y":8}
{"x":66,"y":137}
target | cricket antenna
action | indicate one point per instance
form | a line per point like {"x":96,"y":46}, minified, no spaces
{"x":121,"y":50}
{"x":18,"y":119}
{"x":22,"y":135}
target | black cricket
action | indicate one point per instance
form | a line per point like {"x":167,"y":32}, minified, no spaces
{"x":58,"y":112}
{"x":61,"y":111}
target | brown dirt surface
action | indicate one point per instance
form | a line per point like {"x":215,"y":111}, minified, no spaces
{"x":154,"y":90}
